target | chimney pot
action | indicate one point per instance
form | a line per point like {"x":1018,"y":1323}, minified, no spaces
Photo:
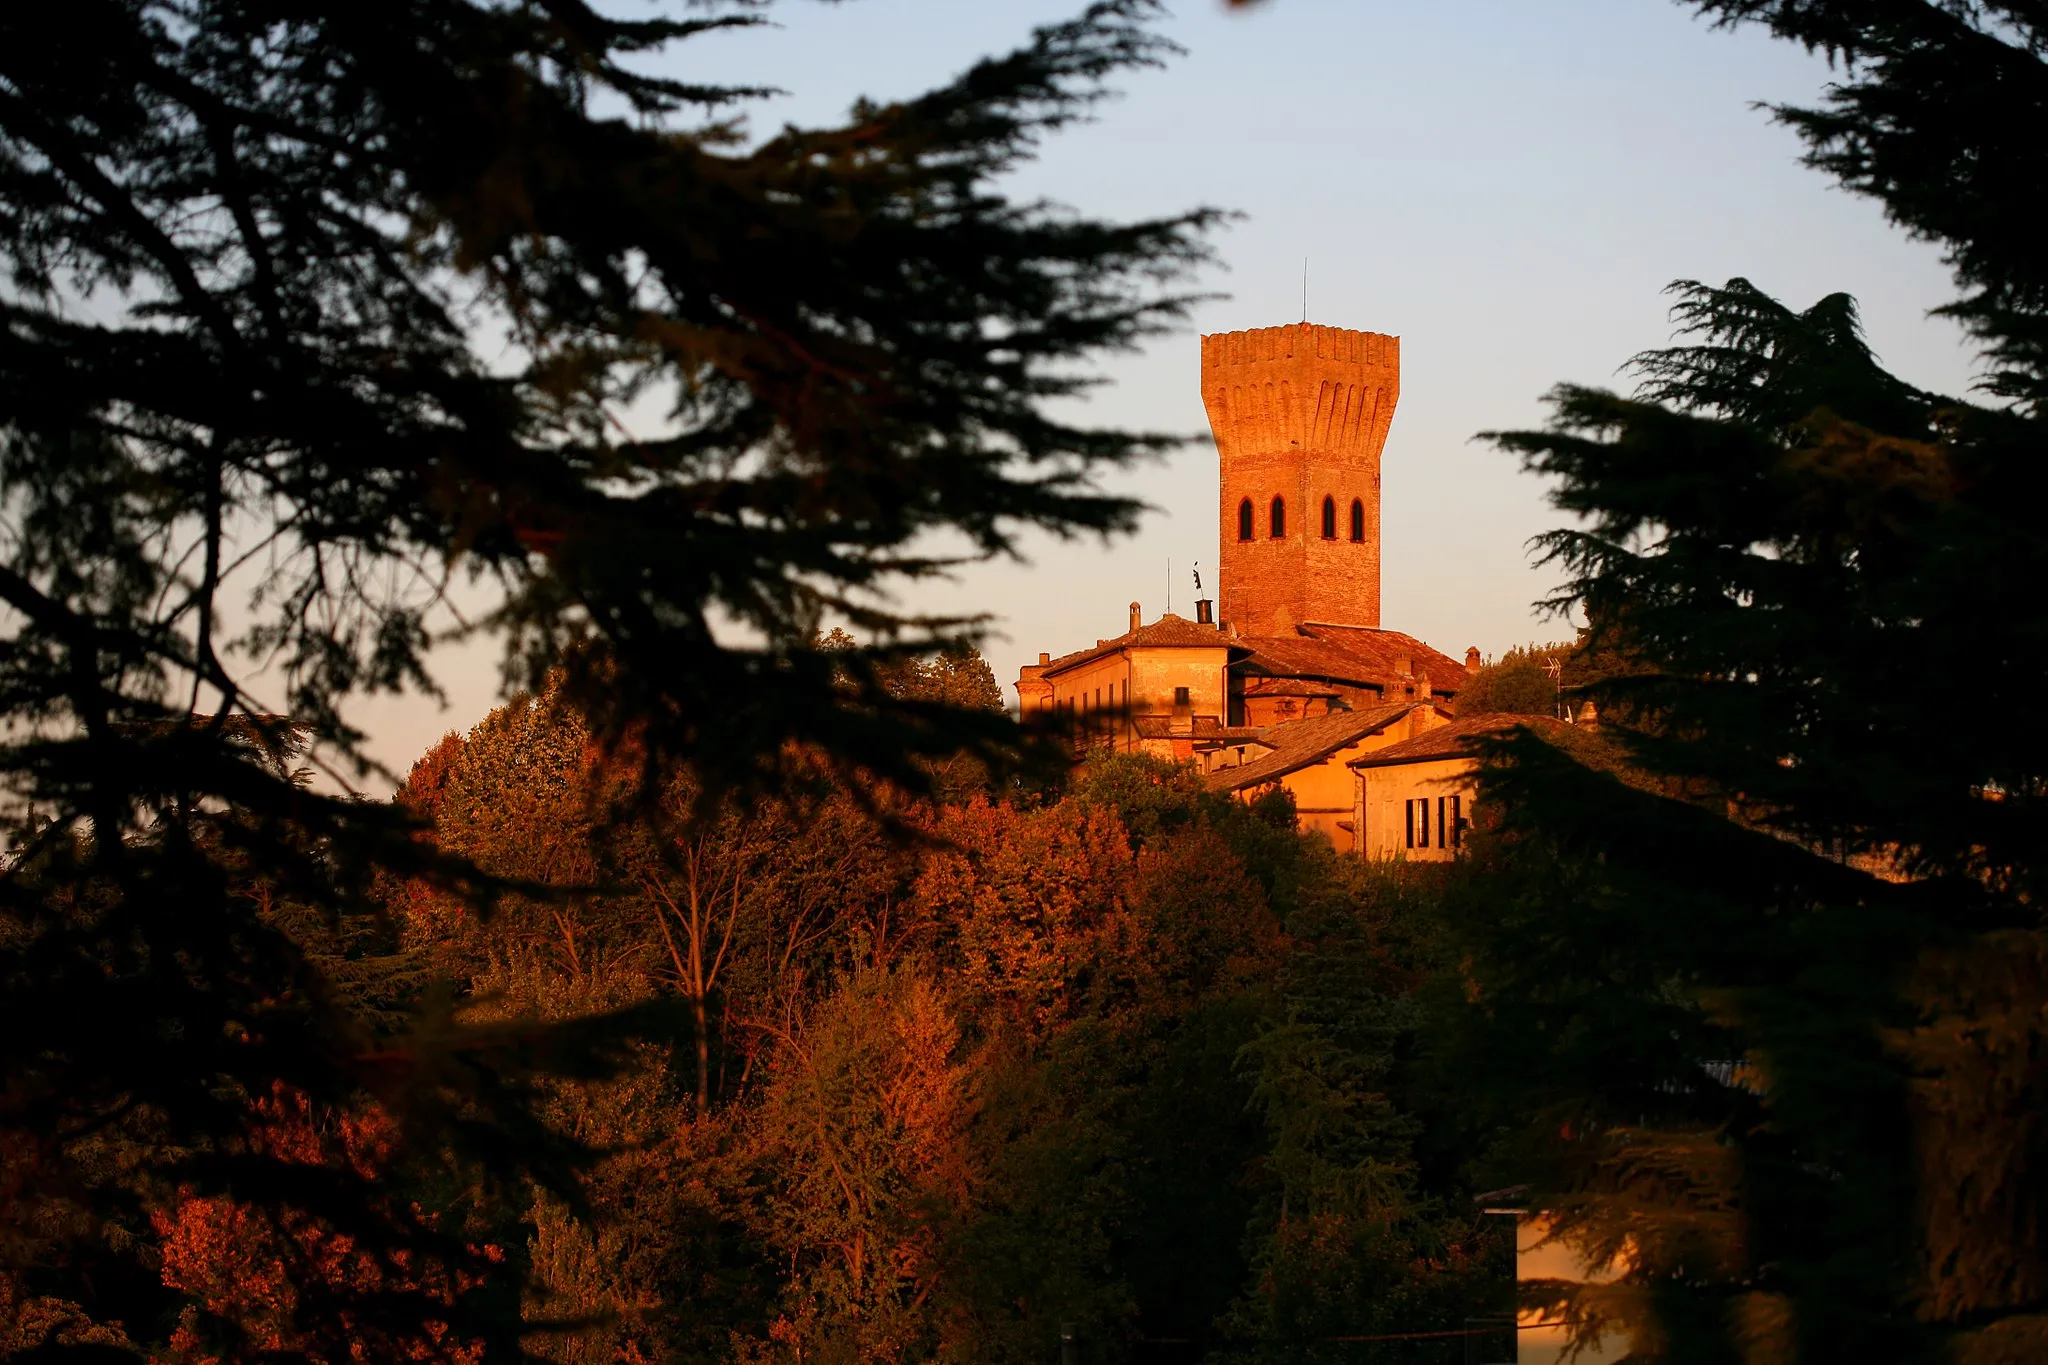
{"x":1043,"y":657}
{"x":1472,"y":661}
{"x":1137,"y":616}
{"x":1205,"y":612}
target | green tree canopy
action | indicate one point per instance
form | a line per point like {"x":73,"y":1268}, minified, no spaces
{"x":1518,"y":683}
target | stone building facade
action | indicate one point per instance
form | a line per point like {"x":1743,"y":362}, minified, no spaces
{"x":1295,"y":678}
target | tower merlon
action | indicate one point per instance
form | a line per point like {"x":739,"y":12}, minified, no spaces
{"x":1301,"y":415}
{"x":1303,"y":387}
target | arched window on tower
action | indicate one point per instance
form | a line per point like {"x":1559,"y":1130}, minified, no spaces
{"x":1329,"y":518}
{"x":1279,"y":529}
{"x":1244,"y":520}
{"x":1357,"y":519}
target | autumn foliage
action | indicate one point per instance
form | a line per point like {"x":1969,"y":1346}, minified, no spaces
{"x":1123,"y":1055}
{"x":271,"y":1282}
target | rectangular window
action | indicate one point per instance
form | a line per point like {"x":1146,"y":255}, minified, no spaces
{"x":1410,"y":809}
{"x":1423,"y":807}
{"x":1457,"y":821}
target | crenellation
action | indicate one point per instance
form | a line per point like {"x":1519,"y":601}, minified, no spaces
{"x":1300,"y":413}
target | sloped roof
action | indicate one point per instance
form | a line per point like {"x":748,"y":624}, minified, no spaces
{"x":1168,"y":632}
{"x":1260,"y":685}
{"x":1358,"y":655}
{"x":1161,"y":727}
{"x":1459,"y":739}
{"x":1299,"y":743}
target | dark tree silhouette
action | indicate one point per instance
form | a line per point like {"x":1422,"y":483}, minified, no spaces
{"x":1774,"y":1007}
{"x":311,"y":312}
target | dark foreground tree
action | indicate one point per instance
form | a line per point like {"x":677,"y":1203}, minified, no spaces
{"x":312,"y":313}
{"x":1780,"y":1014}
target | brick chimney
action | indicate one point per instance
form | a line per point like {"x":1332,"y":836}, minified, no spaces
{"x":1137,"y":616}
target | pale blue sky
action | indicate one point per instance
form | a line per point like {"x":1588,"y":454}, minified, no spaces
{"x":1507,"y":185}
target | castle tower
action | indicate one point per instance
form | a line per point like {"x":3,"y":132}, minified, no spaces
{"x":1300,"y":415}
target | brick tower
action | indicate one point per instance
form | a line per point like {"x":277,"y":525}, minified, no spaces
{"x":1300,"y":415}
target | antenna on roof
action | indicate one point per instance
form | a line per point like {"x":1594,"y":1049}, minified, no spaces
{"x":1198,"y":576}
{"x":1304,"y":289}
{"x":1169,"y":583}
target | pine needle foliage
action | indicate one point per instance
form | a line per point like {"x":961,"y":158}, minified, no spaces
{"x":310,"y":317}
{"x":1775,"y":1003}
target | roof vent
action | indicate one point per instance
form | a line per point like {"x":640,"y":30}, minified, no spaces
{"x":1205,"y":612}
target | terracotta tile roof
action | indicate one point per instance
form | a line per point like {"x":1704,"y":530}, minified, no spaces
{"x":1262,"y":686}
{"x":1229,"y":735}
{"x":1168,"y":632}
{"x":1384,"y":649}
{"x":1459,"y":739}
{"x":1352,"y":654}
{"x":1299,"y":743}
{"x":1161,"y":727}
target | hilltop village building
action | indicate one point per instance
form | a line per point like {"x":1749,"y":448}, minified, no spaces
{"x":1294,"y":683}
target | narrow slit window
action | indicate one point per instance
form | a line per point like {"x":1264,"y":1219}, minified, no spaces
{"x":1244,"y":519}
{"x":1357,"y":519}
{"x":1409,"y":807}
{"x":1443,"y":834}
{"x":1279,"y":518}
{"x":1329,"y":518}
{"x":1422,"y":808}
{"x":1457,"y":821}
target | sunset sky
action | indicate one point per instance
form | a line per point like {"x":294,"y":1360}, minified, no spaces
{"x":1507,"y":185}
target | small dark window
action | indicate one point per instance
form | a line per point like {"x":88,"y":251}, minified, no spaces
{"x":1423,"y":808}
{"x":1443,"y":832}
{"x":1329,"y":518}
{"x":1357,"y":520}
{"x":1457,"y":821}
{"x":1409,"y":807}
{"x":1180,"y":696}
{"x":1244,"y":520}
{"x":1279,"y":518}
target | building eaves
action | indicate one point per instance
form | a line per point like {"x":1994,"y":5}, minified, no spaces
{"x":1354,"y":655}
{"x":1461,"y":738}
{"x":1298,"y":744}
{"x":1168,"y":632}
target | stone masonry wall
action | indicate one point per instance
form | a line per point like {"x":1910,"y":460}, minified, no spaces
{"x":1300,"y":412}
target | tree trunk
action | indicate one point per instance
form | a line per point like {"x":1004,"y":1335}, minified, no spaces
{"x":697,"y":1012}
